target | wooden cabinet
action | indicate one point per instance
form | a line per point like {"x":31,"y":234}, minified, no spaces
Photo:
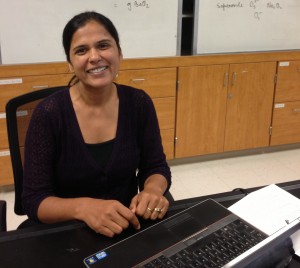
{"x":286,"y":113}
{"x":160,"y":84}
{"x":224,"y":108}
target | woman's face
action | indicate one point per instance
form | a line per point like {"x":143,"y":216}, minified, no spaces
{"x":94,"y":56}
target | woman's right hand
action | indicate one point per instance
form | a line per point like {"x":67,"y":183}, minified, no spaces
{"x":107,"y":217}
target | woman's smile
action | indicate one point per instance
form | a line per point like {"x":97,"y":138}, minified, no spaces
{"x":97,"y":70}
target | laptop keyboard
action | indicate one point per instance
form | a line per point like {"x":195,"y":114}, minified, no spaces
{"x":213,"y":250}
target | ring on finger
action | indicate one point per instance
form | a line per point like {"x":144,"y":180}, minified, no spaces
{"x":151,"y":210}
{"x":159,"y":210}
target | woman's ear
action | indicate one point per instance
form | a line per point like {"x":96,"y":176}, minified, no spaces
{"x":121,"y":54}
{"x":71,"y":68}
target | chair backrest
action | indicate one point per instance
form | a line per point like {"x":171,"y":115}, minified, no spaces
{"x":18,"y":114}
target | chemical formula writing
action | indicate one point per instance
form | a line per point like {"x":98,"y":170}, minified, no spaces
{"x":137,"y":4}
{"x":256,"y":7}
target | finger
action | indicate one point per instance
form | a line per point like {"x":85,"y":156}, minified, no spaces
{"x":157,"y":210}
{"x":163,"y":212}
{"x":111,"y":226}
{"x":161,"y":209}
{"x":130,"y":217}
{"x":119,"y":223}
{"x":146,"y":205}
{"x":105,"y":231}
{"x":135,"y":222}
{"x":121,"y":217}
{"x":147,"y":214}
{"x":134,"y":203}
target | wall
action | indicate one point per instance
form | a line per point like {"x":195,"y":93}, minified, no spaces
{"x":248,"y":25}
{"x":30,"y":31}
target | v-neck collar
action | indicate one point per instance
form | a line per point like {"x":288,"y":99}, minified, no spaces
{"x":79,"y":135}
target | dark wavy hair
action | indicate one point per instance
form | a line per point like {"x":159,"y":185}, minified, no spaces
{"x":81,"y":20}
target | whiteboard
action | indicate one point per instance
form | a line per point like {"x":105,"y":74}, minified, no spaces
{"x":31,"y":30}
{"x":242,"y":26}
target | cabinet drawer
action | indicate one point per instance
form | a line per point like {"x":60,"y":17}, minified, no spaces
{"x":165,"y":109}
{"x":27,"y":84}
{"x":288,"y":81}
{"x":286,"y":123}
{"x":156,"y":82}
{"x":6,"y":174}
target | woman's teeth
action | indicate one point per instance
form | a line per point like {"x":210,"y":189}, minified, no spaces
{"x":98,"y":70}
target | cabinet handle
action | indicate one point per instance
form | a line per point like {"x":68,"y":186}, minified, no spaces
{"x":40,"y":87}
{"x":296,"y":110}
{"x":226,"y":76}
{"x":136,"y":80}
{"x":233,"y":78}
{"x":4,"y":153}
{"x":22,"y":113}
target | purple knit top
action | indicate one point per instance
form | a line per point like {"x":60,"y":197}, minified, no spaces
{"x":58,"y":162}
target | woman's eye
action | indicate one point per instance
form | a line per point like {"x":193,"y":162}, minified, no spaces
{"x":80,"y":51}
{"x":103,"y":45}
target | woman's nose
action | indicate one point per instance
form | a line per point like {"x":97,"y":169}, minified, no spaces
{"x":95,"y":55}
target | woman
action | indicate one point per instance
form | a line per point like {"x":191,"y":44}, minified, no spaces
{"x":91,"y":146}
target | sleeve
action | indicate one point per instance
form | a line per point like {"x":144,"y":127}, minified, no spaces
{"x":39,"y":158}
{"x":153,"y":159}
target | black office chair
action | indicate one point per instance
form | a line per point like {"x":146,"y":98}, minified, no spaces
{"x":18,"y":114}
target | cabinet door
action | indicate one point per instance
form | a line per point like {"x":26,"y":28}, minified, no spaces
{"x":288,"y":81}
{"x":249,"y":105}
{"x":201,"y":108}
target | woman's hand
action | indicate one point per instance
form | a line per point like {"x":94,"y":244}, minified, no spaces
{"x":107,"y":217}
{"x":149,"y":204}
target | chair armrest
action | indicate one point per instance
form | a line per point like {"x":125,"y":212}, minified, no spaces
{"x":3,"y":227}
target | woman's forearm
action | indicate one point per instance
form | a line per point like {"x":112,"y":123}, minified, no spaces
{"x":55,"y":209}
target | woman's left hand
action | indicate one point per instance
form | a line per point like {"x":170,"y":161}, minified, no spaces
{"x":149,"y":204}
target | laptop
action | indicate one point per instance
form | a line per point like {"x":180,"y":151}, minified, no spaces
{"x":204,"y":235}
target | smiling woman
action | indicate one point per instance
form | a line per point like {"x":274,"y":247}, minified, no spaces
{"x":93,"y":151}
